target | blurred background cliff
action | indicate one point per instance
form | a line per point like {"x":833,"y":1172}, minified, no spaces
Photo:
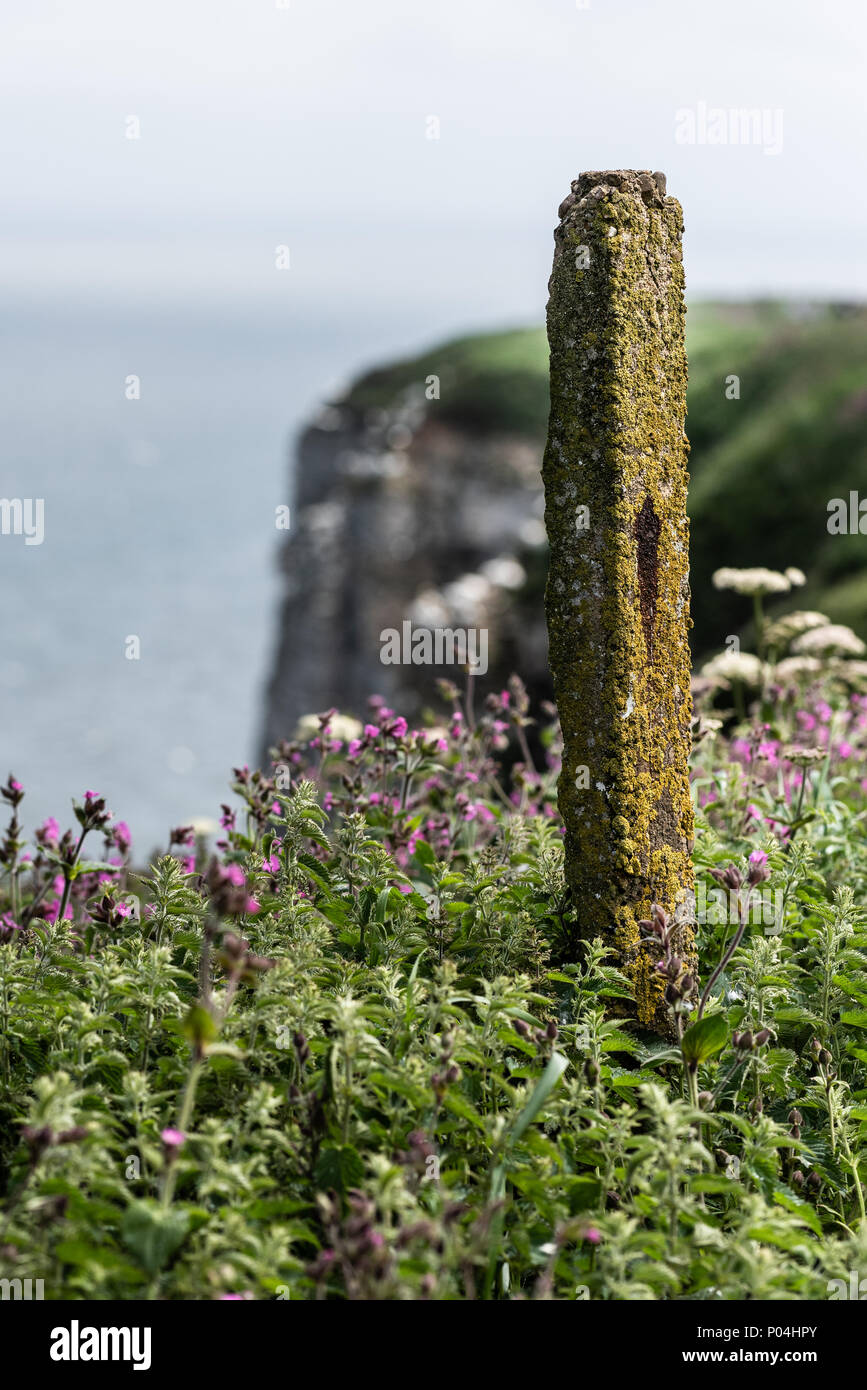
{"x":250,"y":206}
{"x":430,"y":509}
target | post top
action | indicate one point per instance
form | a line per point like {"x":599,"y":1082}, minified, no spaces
{"x":650,"y":187}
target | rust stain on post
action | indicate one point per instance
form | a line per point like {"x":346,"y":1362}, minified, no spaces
{"x":618,"y":586}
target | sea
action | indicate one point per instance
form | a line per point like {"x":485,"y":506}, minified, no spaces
{"x":136,"y":638}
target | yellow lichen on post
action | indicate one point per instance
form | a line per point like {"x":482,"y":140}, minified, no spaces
{"x":618,"y":586}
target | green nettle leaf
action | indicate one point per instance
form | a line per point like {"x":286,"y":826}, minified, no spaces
{"x":856,"y":1018}
{"x":198,"y":1026}
{"x":583,"y":1194}
{"x":338,"y":1168}
{"x":154,"y":1233}
{"x":705,"y":1038}
{"x":92,"y":866}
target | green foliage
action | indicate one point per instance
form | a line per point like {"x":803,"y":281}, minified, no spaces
{"x":366,"y":1054}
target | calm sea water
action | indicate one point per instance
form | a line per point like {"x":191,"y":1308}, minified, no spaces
{"x":159,"y":524}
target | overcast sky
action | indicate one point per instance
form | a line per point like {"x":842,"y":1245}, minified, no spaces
{"x":307,"y":126}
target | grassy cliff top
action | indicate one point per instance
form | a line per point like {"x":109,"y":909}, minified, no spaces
{"x":764,"y":466}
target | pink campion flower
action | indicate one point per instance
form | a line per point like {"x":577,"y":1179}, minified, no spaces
{"x":593,"y":1235}
{"x":824,"y":711}
{"x":371,"y":731}
{"x":48,"y":833}
{"x":354,"y":748}
{"x":8,"y":925}
{"x":235,"y":875}
{"x":398,"y":728}
{"x":52,"y":909}
{"x":759,"y":858}
{"x":251,"y":907}
{"x":276,"y":808}
{"x":442,"y":745}
{"x":123,"y":909}
{"x":328,"y":801}
{"x":173,"y":1138}
{"x":845,"y":750}
{"x":374,"y":798}
{"x":806,"y":720}
{"x":122,"y":836}
{"x":189,"y":865}
{"x":271,"y":865}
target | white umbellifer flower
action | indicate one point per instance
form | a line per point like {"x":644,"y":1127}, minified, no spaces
{"x":204,"y":825}
{"x":505,"y":572}
{"x":804,"y":756}
{"x":752,"y":582}
{"x":855,"y":672}
{"x":794,"y":668}
{"x":734,"y":666}
{"x":795,"y":577}
{"x":832,"y":638}
{"x":339,"y":726}
{"x":792,"y":625}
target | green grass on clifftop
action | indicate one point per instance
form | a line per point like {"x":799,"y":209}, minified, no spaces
{"x":764,"y":467}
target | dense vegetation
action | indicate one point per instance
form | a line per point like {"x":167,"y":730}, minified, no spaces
{"x":360,"y":1050}
{"x":764,"y":466}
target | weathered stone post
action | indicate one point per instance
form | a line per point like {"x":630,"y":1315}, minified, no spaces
{"x":618,"y":586}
